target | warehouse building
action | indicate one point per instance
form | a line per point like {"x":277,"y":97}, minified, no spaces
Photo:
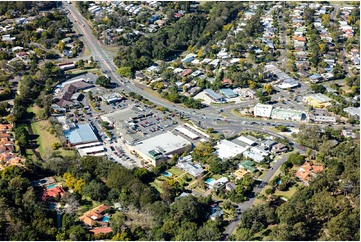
{"x":157,"y":149}
{"x":214,"y":96}
{"x":228,"y":93}
{"x":81,"y":134}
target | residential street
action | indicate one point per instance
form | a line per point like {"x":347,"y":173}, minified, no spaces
{"x":247,"y":204}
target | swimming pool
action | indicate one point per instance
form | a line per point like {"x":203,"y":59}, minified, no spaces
{"x":105,"y":219}
{"x":51,"y":186}
{"x":167,"y":174}
{"x":52,"y":206}
{"x":209,"y":180}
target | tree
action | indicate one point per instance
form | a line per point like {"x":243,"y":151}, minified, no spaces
{"x":345,"y":226}
{"x":77,"y":232}
{"x":95,"y":190}
{"x":80,"y":64}
{"x":268,"y":88}
{"x":55,"y":145}
{"x":269,"y":191}
{"x":125,"y":71}
{"x":209,"y":231}
{"x":22,"y":136}
{"x":264,"y":99}
{"x":318,"y":88}
{"x":103,"y":81}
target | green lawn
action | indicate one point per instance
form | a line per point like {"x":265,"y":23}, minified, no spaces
{"x":287,"y":194}
{"x":175,"y":171}
{"x":216,"y":177}
{"x":46,"y":139}
{"x":36,"y":110}
{"x":156,"y":185}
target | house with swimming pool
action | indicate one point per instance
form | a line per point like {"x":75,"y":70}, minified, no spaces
{"x":96,"y":217}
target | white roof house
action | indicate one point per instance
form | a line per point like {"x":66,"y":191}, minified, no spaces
{"x":249,"y":140}
{"x":253,"y":156}
{"x":262,"y":110}
{"x":227,"y":149}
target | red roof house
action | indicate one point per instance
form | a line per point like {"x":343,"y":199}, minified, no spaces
{"x":52,"y":193}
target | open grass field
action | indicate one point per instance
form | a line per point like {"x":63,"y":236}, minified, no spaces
{"x":46,"y":139}
{"x":175,"y":171}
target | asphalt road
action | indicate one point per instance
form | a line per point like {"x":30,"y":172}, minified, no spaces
{"x":232,"y":124}
{"x":247,"y":204}
{"x":109,"y":67}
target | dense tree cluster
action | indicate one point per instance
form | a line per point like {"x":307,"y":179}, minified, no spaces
{"x":194,"y":29}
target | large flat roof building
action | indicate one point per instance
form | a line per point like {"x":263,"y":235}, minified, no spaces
{"x":352,"y":111}
{"x":214,"y":96}
{"x":317,"y":100}
{"x":81,"y":134}
{"x":157,"y":148}
{"x":262,"y":110}
{"x":288,"y":114}
{"x":228,"y":93}
{"x":227,"y":149}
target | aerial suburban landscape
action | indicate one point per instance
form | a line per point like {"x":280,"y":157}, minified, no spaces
{"x":191,"y":120}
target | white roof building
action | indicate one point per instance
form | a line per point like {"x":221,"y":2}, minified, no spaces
{"x":262,"y":110}
{"x":155,"y":148}
{"x":253,"y":156}
{"x":227,"y":149}
{"x":249,"y":140}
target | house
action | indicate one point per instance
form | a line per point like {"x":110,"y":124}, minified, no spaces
{"x":246,"y":93}
{"x":268,"y":144}
{"x":239,"y":174}
{"x":216,"y":212}
{"x":230,"y":186}
{"x":248,"y":166}
{"x":307,"y":171}
{"x":257,"y":158}
{"x":279,"y":148}
{"x":259,"y":151}
{"x":66,"y":66}
{"x":187,"y":72}
{"x":186,"y":164}
{"x":52,"y":193}
{"x":348,"y":134}
{"x":316,"y":78}
{"x":214,"y":184}
{"x":8,"y":38}
{"x":66,"y":40}
{"x":96,"y":217}
{"x":98,"y":231}
{"x":196,"y":73}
